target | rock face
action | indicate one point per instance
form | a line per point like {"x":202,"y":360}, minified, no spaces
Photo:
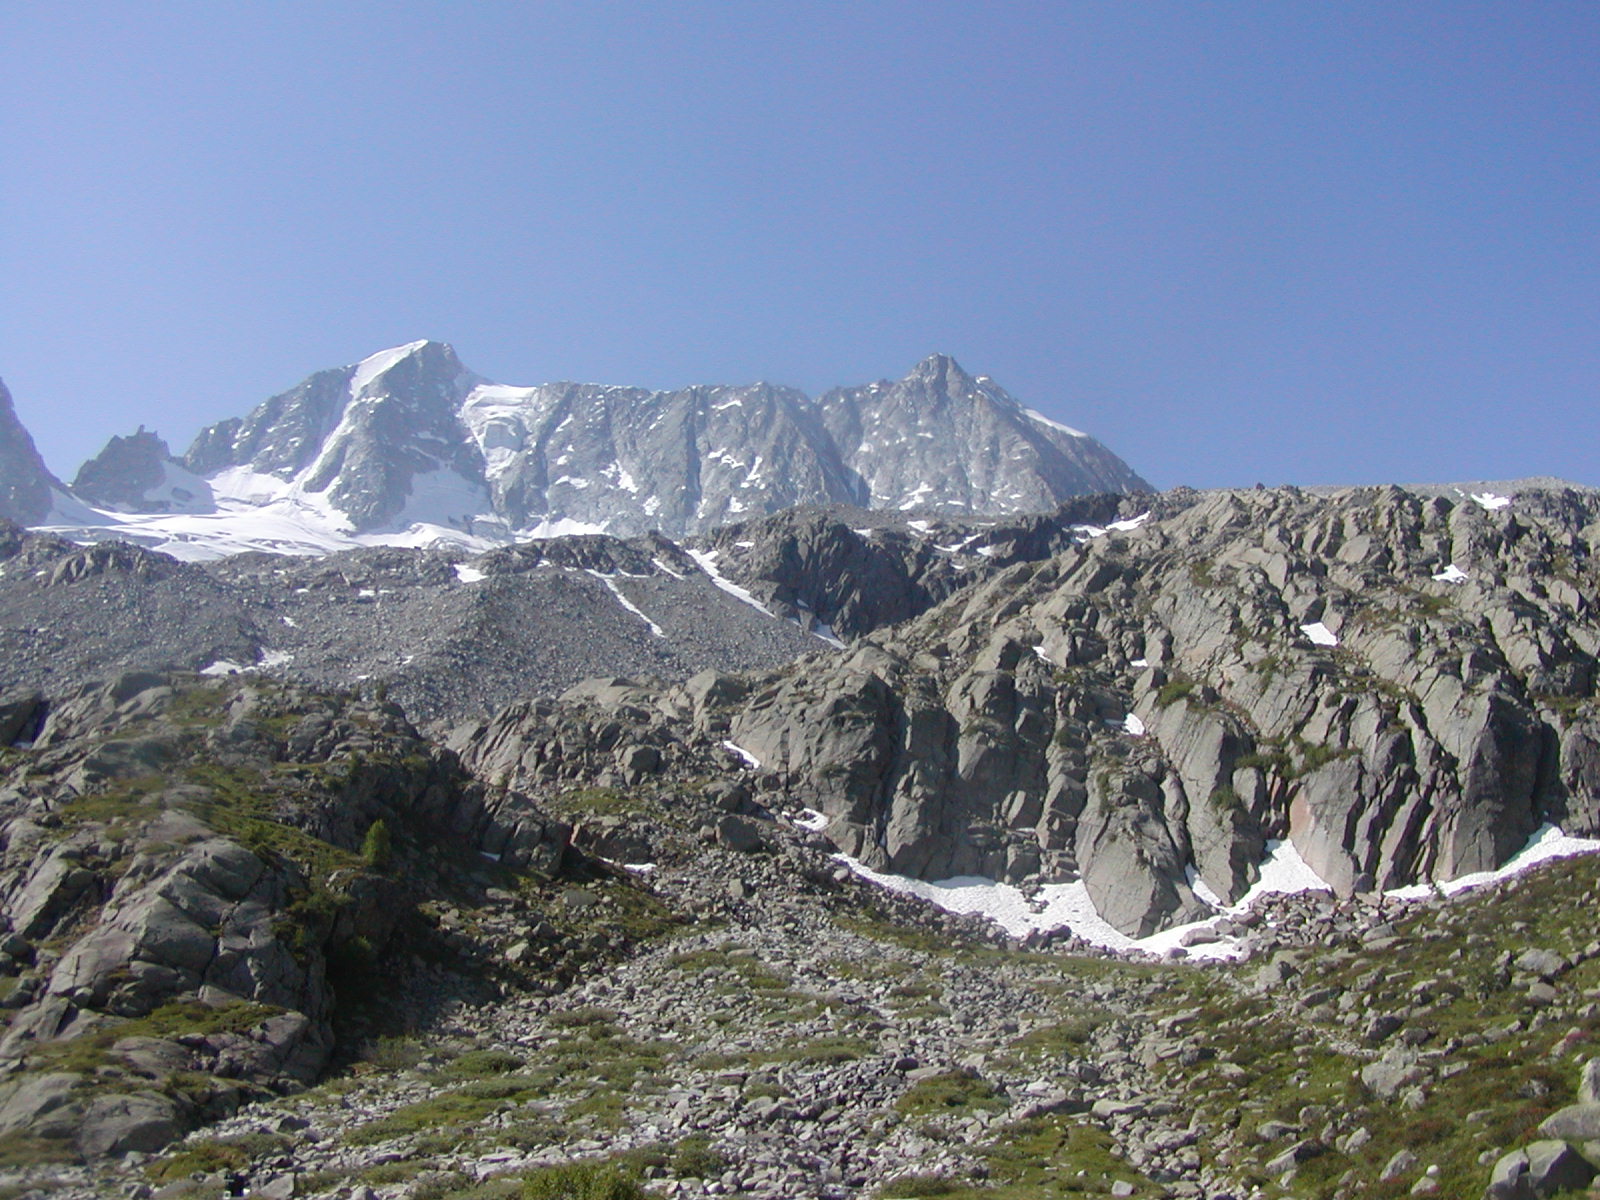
{"x":25,"y":482}
{"x":138,"y":474}
{"x":361,"y":437}
{"x":409,"y":445}
{"x":1149,"y":702}
{"x":1398,"y":684}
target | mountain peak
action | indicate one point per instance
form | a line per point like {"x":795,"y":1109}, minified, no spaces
{"x":384,"y":361}
{"x":940,"y":370}
{"x":25,"y":481}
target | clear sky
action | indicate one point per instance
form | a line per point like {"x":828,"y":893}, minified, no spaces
{"x":1286,"y":241}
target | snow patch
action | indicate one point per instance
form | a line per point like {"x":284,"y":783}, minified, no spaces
{"x":822,"y":631}
{"x":1320,"y":634}
{"x":1451,"y":574}
{"x":1490,"y":501}
{"x":468,"y":574}
{"x":1090,"y":532}
{"x":1133,"y":725}
{"x":269,"y":659}
{"x":1067,"y":905}
{"x":811,"y":819}
{"x":1547,"y":843}
{"x":628,"y":604}
{"x":750,"y":760}
{"x":707,"y":559}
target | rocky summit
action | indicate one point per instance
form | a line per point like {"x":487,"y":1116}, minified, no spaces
{"x":409,"y":447}
{"x":25,"y":482}
{"x":951,"y":835}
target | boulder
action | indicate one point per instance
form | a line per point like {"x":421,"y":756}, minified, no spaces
{"x":740,"y":834}
{"x":45,"y":1105}
{"x":119,"y":1124}
{"x":1536,"y":1171}
{"x":20,"y":710}
{"x":1575,"y":1123}
{"x":1589,"y":1082}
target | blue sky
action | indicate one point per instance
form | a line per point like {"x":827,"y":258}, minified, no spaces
{"x":1285,"y":242}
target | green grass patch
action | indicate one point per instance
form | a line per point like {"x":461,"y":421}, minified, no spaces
{"x":202,"y":1158}
{"x":961,"y":1091}
{"x":582,"y":1181}
{"x":449,"y":1116}
{"x":480,"y":1064}
{"x":1062,"y":1039}
{"x":602,"y":802}
{"x":822,"y":1050}
{"x":92,"y":1050}
{"x":1172,"y":691}
{"x":19,"y":1149}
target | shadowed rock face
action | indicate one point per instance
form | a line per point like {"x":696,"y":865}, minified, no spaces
{"x":125,"y":473}
{"x":184,"y":884}
{"x":24,"y":480}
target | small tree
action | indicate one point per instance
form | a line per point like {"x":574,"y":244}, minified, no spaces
{"x":377,"y":847}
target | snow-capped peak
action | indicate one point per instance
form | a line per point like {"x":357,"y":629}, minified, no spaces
{"x":374,"y":365}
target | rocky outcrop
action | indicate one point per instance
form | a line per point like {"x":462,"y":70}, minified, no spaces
{"x":138,"y":474}
{"x":189,"y":877}
{"x":25,"y":481}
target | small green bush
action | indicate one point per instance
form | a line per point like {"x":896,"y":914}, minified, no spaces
{"x":377,"y":848}
{"x":1172,"y":691}
{"x":582,"y":1181}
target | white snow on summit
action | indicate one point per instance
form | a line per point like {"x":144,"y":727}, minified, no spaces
{"x":1044,"y":420}
{"x":373,"y":365}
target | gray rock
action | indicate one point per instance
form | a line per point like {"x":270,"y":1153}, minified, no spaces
{"x":44,"y":1105}
{"x":740,"y":834}
{"x":1391,"y":1075}
{"x":20,"y":710}
{"x":132,"y":475}
{"x":1538,"y":1170}
{"x":1575,"y":1123}
{"x":1546,"y":964}
{"x":1300,"y":1152}
{"x":679,"y":462}
{"x":117,"y":1124}
{"x":1589,"y":1082}
{"x":1403,"y":1162}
